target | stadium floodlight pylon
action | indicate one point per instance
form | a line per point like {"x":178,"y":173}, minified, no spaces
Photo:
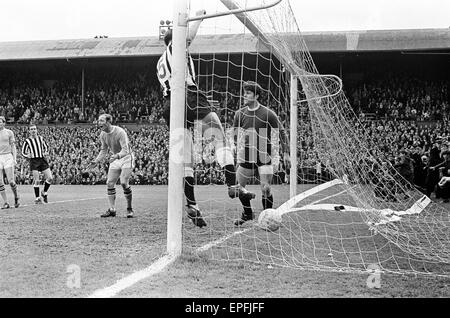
{"x":348,"y":209}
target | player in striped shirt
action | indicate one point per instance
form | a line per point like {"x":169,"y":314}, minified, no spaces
{"x":35,"y":149}
{"x":256,"y":128}
{"x":116,"y":146}
{"x":197,"y":108}
{"x":8,"y":160}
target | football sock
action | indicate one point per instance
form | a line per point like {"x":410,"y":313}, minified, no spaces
{"x":112,"y":198}
{"x":189,"y":190}
{"x":230,"y":175}
{"x":14,"y":189}
{"x":247,"y":207}
{"x":128,"y":195}
{"x":267,"y":202}
{"x":36,"y":192}
{"x":46,"y":186}
{"x":3,"y":192}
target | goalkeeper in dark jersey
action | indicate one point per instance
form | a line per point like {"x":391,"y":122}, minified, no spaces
{"x":255,"y":130}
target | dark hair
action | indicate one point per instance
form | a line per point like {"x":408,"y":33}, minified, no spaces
{"x":253,"y":87}
{"x":168,"y":37}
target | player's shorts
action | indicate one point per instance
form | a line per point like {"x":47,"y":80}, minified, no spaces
{"x":126,"y":162}
{"x":39,"y":164}
{"x":262,"y":168}
{"x":249,"y":173}
{"x":6,"y":161}
{"x":253,"y":159}
{"x":269,"y":166}
{"x":197,"y":107}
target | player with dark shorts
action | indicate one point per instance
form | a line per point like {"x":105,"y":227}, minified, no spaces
{"x":197,"y":108}
{"x":39,"y":164}
{"x":35,"y":149}
{"x":256,"y":128}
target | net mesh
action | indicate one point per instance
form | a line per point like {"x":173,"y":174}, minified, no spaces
{"x":353,"y":209}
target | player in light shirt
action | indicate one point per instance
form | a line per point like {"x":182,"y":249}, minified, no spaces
{"x":8,"y":161}
{"x":116,"y":147}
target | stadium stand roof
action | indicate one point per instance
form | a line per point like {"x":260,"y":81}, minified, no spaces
{"x":379,"y":40}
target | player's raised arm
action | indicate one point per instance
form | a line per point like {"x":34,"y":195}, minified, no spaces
{"x":194,"y":26}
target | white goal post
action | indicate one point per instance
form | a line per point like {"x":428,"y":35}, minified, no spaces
{"x":177,"y":115}
{"x":177,"y":102}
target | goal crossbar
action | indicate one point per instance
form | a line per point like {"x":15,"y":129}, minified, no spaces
{"x":233,"y":11}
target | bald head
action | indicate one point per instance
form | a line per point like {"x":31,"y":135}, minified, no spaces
{"x":105,"y":122}
{"x":105,"y":117}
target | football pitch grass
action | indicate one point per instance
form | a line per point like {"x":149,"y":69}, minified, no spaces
{"x":44,"y":246}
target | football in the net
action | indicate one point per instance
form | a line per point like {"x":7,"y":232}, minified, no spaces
{"x":269,"y":220}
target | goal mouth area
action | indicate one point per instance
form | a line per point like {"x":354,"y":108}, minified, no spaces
{"x":323,"y":229}
{"x":345,"y":203}
{"x":369,"y":216}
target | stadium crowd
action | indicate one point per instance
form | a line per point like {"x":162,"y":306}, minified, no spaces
{"x":396,"y":102}
{"x":417,"y":152}
{"x":132,"y":98}
{"x":402,"y":98}
{"x":71,"y":148}
{"x":126,"y":98}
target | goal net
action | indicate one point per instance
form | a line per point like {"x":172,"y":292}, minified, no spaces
{"x":352,"y":211}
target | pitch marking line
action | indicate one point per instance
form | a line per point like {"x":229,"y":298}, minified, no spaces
{"x":284,"y":208}
{"x":134,"y":278}
{"x":221,"y":240}
{"x":56,"y":202}
{"x":165,"y":261}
